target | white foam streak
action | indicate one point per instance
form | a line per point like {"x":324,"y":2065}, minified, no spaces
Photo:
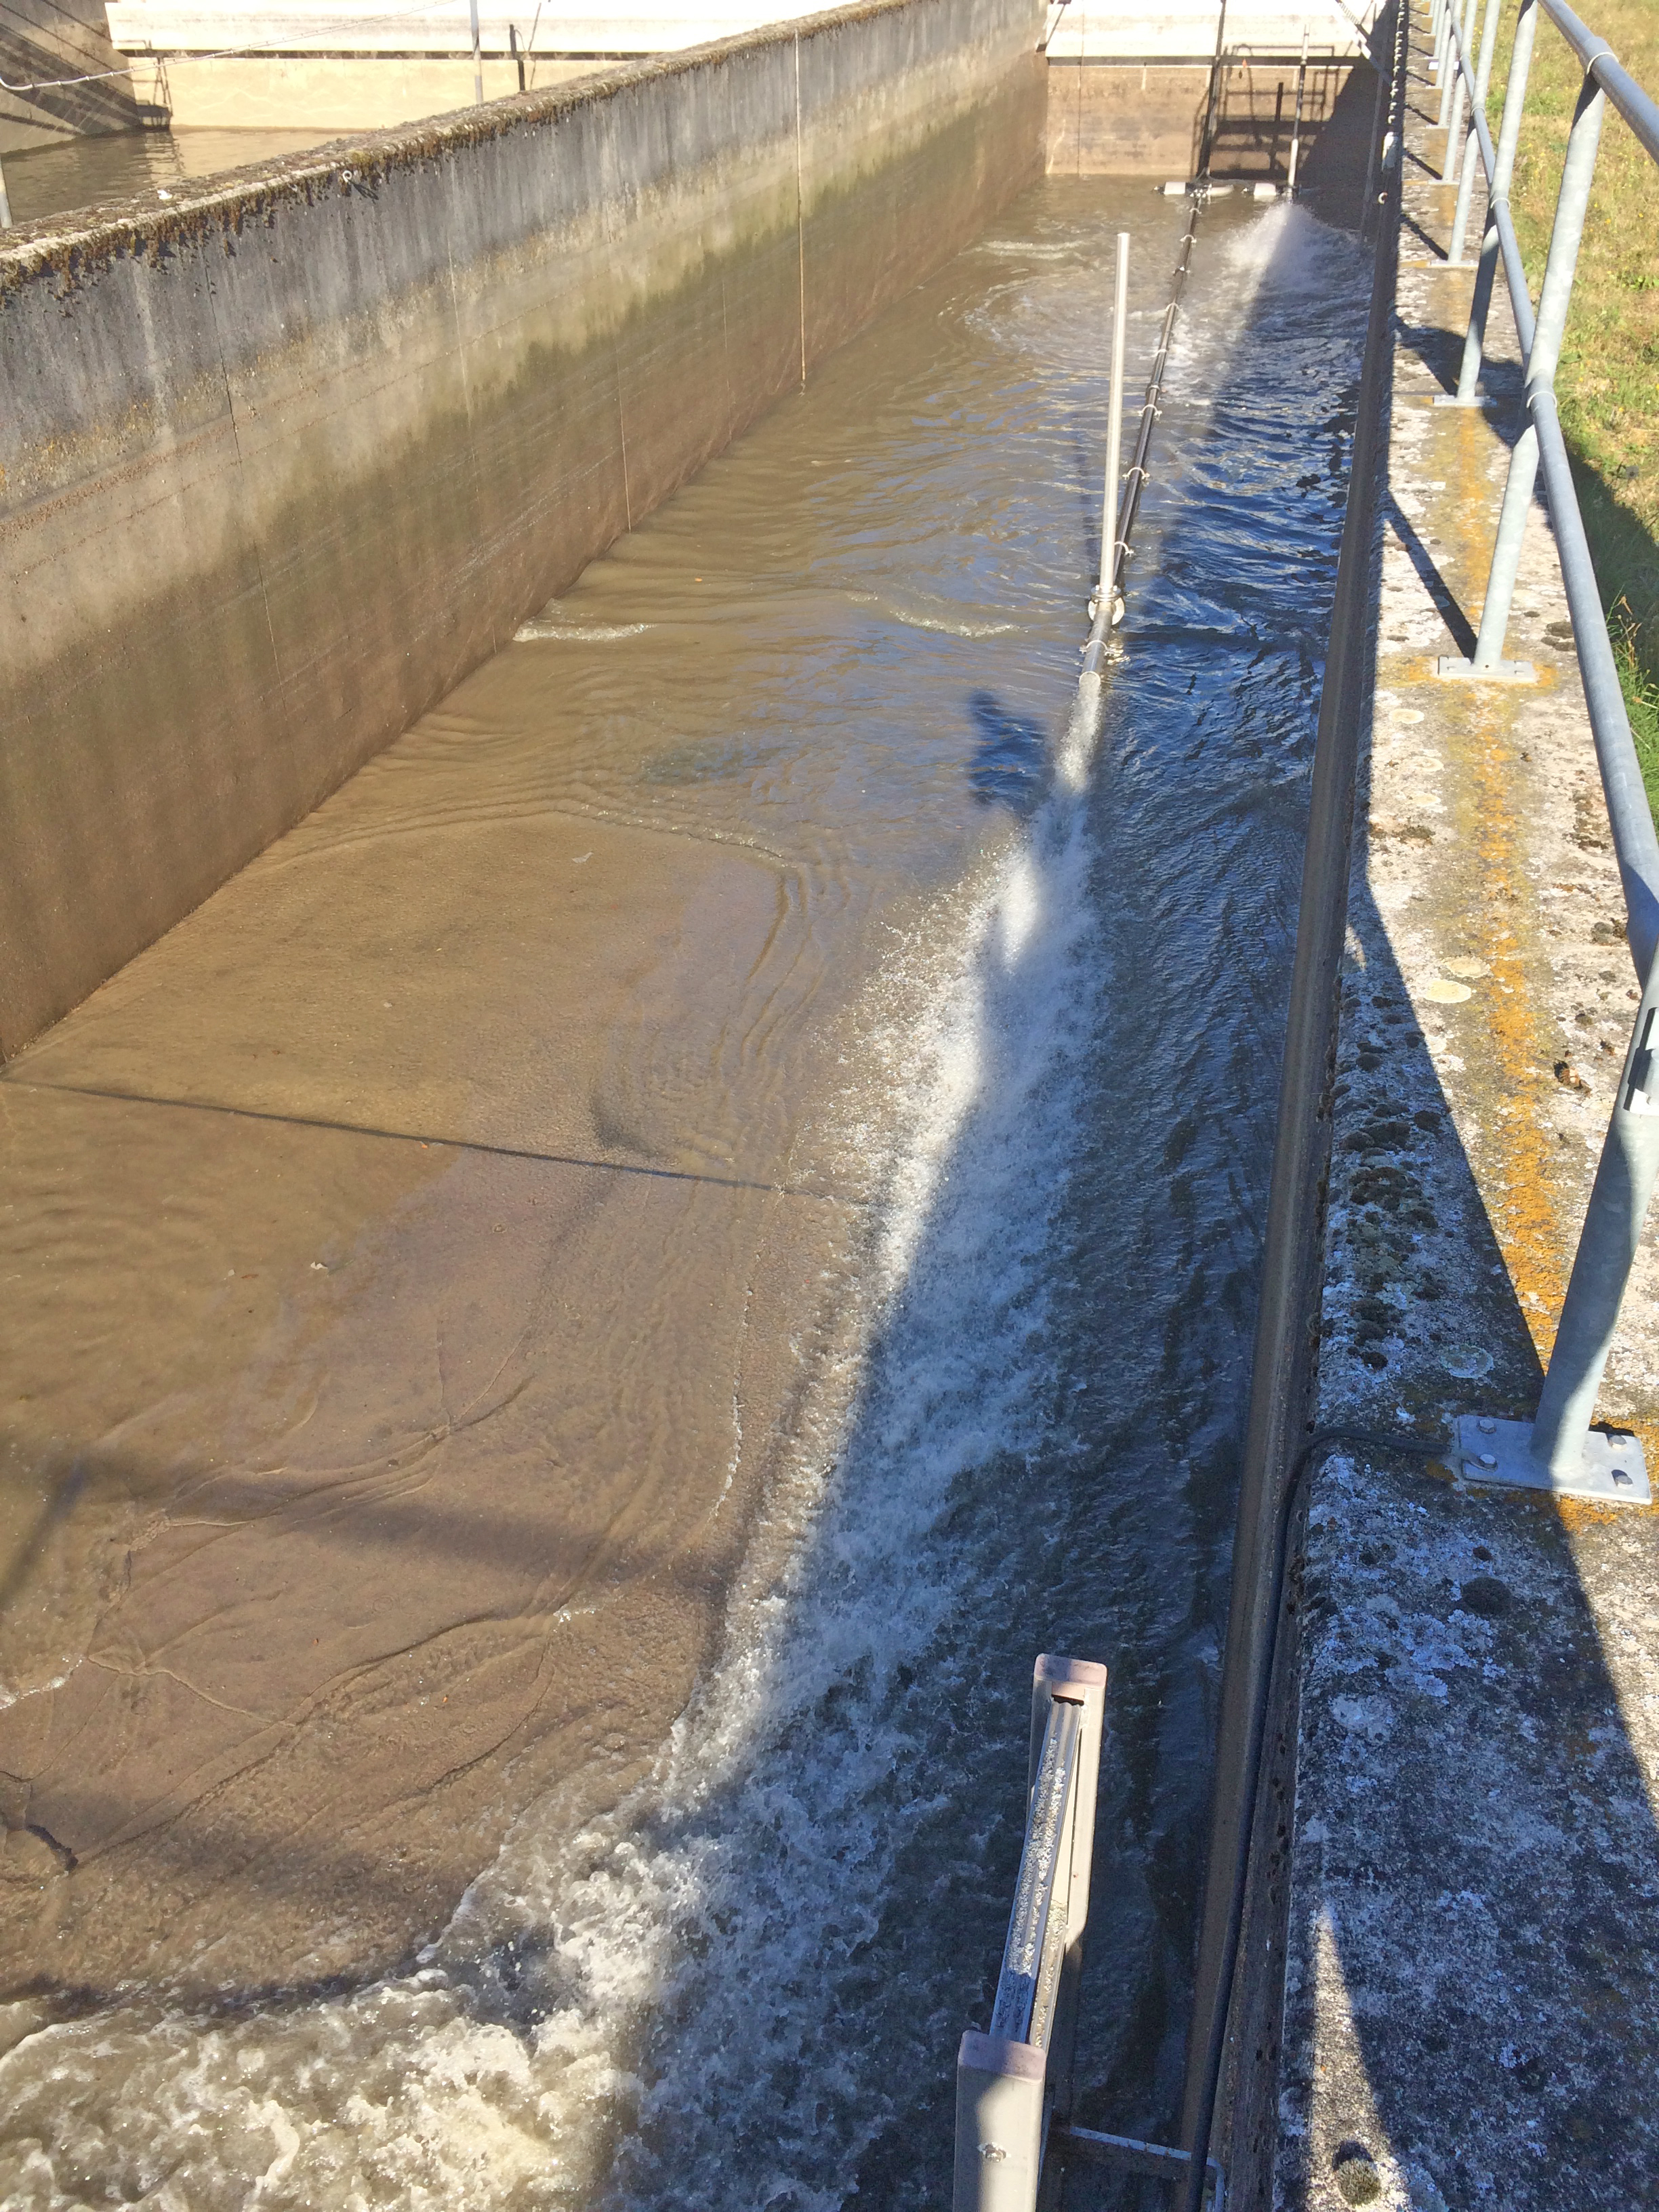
{"x":541,"y":629}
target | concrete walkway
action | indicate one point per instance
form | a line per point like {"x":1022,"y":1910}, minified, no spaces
{"x":1472,"y":1999}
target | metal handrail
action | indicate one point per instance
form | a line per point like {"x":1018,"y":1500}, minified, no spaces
{"x":1550,"y":1452}
{"x":1641,"y":112}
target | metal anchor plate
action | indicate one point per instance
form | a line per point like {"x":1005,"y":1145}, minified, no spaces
{"x":1611,"y":1469}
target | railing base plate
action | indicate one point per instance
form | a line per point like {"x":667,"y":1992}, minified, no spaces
{"x":1454,"y":669}
{"x":1613,"y":1470}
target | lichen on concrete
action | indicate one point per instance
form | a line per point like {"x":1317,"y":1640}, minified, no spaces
{"x":1472,"y":1992}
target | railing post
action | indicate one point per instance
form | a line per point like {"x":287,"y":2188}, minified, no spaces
{"x":1109,"y":592}
{"x":1571,"y":208}
{"x":1452,"y":84}
{"x":1509,"y":136}
{"x":1296,"y":127}
{"x":1625,"y":1179}
{"x":1472,"y":144}
{"x":1457,"y":88}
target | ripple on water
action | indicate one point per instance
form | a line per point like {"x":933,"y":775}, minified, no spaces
{"x":1053,"y":982}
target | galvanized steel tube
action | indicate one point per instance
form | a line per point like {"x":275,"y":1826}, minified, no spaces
{"x":1094,"y":651}
{"x":1296,"y":126}
{"x":1111,"y":494}
{"x":1637,"y":107}
{"x":1501,"y":173}
{"x":1543,"y":345}
{"x":1472,"y":144}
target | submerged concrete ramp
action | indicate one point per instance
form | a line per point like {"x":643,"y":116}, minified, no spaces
{"x":286,"y":457}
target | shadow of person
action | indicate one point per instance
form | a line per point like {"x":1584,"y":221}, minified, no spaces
{"x":1010,"y":766}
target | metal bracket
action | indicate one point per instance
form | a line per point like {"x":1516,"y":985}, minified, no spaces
{"x":1456,"y":670}
{"x":1612,"y":1469}
{"x":1014,"y":2085}
{"x":1128,"y":2156}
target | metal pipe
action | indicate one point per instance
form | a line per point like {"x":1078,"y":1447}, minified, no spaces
{"x":1571,"y":207}
{"x":513,"y":49}
{"x":1607,"y":1244}
{"x":1451,"y":75}
{"x":1502,"y":174}
{"x":1296,"y":127}
{"x":1506,"y":551}
{"x":477,"y":58}
{"x":1211,"y":117}
{"x":1641,"y":112}
{"x":1472,"y":144}
{"x":1455,"y":124}
{"x":1281,"y":1369}
{"x":1094,"y":652}
{"x":5,"y":201}
{"x":1637,"y":107}
{"x":1373,"y":153}
{"x":1636,"y":843}
{"x":1110,"y":533}
{"x":1135,"y":481}
{"x":1543,"y":351}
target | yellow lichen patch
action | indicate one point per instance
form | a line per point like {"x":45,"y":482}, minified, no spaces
{"x":1514,"y":1173}
{"x":1519,"y":1196}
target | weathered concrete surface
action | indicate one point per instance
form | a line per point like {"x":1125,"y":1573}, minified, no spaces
{"x":286,"y":458}
{"x":1111,"y":117}
{"x":1129,"y":86}
{"x":1472,"y":1980}
{"x":336,"y":65}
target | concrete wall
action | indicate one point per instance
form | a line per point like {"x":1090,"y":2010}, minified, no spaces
{"x":646,"y":26}
{"x":1110,"y":117}
{"x":43,"y":42}
{"x":333,"y":92}
{"x":285,"y":457}
{"x":1130,"y":85}
{"x":355,"y":65}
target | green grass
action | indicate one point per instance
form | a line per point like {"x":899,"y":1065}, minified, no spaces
{"x":1608,"y":379}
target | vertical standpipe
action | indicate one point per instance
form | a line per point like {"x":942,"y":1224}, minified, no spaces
{"x":1011,"y":2082}
{"x":478,"y":57}
{"x":1296,"y":127}
{"x":1111,"y":534}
